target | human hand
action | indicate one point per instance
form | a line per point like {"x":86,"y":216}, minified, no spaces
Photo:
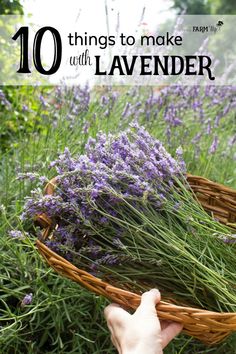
{"x":141,"y":332}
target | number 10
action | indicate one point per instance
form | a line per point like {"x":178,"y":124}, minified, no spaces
{"x":23,"y":33}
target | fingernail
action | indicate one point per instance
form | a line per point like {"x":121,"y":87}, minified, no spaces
{"x":155,"y":290}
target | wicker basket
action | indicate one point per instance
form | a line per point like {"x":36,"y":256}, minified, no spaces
{"x":209,"y":327}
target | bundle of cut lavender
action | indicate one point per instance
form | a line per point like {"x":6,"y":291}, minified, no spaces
{"x":124,"y":212}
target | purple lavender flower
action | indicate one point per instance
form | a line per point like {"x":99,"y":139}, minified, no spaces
{"x":196,"y":138}
{"x":86,"y":127}
{"x":208,"y":130}
{"x":232,"y":141}
{"x":125,"y":112}
{"x":109,"y":259}
{"x":180,"y":159}
{"x":104,"y":101}
{"x":27,"y":175}
{"x":17,"y":234}
{"x":27,"y":300}
{"x":130,"y":166}
{"x":179,"y":152}
{"x":25,"y":108}
{"x":181,"y":104}
{"x":43,"y":179}
{"x":43,"y":101}
{"x":214,"y":145}
{"x":4,"y":101}
{"x":228,"y":240}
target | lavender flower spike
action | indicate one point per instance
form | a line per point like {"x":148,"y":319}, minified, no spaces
{"x":27,"y":300}
{"x":214,"y":145}
{"x":17,"y":234}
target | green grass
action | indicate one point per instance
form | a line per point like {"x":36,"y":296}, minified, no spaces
{"x":63,"y":318}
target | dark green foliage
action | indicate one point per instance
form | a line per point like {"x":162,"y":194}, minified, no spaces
{"x":22,"y":112}
{"x":226,"y":7}
{"x":11,"y":7}
{"x":205,"y":7}
{"x":192,"y":7}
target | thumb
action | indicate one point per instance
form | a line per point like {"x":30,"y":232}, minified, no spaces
{"x":115,"y":314}
{"x":148,"y":303}
{"x":168,"y":333}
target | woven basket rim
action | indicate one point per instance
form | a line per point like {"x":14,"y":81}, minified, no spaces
{"x":166,"y":310}
{"x":161,"y":304}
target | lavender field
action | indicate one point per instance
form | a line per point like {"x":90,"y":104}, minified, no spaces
{"x":41,"y":312}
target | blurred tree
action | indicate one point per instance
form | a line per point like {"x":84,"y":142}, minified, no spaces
{"x":11,"y":7}
{"x":204,"y":7}
{"x":222,"y":7}
{"x":192,"y":7}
